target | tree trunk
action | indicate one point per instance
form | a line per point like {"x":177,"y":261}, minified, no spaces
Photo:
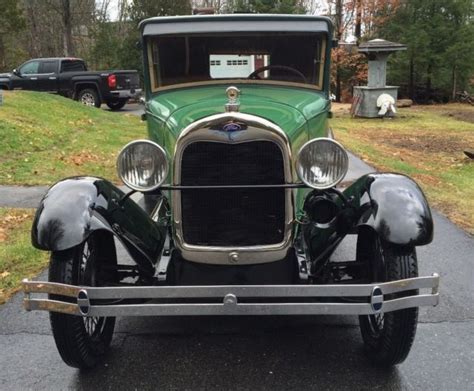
{"x":358,"y":24}
{"x":3,"y":64}
{"x":454,"y":83}
{"x":428,"y":80}
{"x":338,"y":31}
{"x":411,"y":87}
{"x":67,"y":24}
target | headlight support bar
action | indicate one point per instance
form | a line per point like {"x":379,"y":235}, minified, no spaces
{"x":220,"y":187}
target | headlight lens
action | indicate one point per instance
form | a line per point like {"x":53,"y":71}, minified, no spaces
{"x":322,"y":163}
{"x":142,"y":165}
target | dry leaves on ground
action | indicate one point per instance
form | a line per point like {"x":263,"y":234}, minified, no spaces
{"x":80,"y":158}
{"x":10,"y":221}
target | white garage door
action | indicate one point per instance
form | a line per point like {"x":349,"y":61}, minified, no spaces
{"x":224,"y":66}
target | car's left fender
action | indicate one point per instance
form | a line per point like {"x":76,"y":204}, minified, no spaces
{"x":75,"y":207}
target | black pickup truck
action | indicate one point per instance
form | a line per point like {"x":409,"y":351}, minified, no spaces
{"x":69,"y":77}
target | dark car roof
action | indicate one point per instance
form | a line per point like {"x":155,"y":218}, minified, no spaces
{"x":172,"y":25}
{"x":56,"y":58}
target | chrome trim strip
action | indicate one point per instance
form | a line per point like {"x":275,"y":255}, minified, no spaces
{"x":258,"y":129}
{"x":169,"y":292}
{"x":229,"y":296}
{"x":260,"y":309}
{"x":51,"y":306}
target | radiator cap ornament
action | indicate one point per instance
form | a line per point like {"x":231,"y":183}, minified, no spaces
{"x":233,"y":94}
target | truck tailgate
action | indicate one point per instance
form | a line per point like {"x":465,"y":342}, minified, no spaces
{"x":127,"y":80}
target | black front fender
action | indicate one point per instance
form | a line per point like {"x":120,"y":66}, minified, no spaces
{"x":74,"y":208}
{"x":394,"y":206}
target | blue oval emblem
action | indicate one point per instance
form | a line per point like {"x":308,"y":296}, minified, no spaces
{"x":231,"y":127}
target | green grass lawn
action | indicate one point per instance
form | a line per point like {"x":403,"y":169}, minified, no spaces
{"x":44,"y":138}
{"x":424,"y":142}
{"x":18,"y":258}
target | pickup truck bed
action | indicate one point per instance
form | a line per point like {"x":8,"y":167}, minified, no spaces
{"x":69,"y":77}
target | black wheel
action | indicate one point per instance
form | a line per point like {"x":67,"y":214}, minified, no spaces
{"x":89,"y":97}
{"x":81,"y":341}
{"x":116,"y":104}
{"x":388,"y":337}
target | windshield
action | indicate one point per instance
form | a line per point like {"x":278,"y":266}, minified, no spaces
{"x":271,"y":58}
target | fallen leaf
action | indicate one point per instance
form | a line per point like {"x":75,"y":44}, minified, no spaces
{"x":3,"y":235}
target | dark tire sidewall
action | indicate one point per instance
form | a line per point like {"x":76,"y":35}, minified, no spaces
{"x":116,"y":104}
{"x":76,"y":347}
{"x":392,"y":345}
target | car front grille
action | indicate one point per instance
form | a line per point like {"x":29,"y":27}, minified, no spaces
{"x":232,"y":217}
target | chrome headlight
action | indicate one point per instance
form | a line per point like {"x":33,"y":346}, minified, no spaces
{"x":322,"y":163}
{"x":142,"y":165}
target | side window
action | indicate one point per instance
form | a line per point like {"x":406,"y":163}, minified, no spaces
{"x":73,"y":66}
{"x":48,"y":67}
{"x":30,"y":68}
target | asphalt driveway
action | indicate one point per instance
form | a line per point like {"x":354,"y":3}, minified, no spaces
{"x":297,"y":353}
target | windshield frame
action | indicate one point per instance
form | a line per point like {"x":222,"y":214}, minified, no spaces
{"x":154,"y":84}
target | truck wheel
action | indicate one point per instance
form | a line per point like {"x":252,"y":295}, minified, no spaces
{"x":388,"y":337}
{"x":82,"y":341}
{"x":116,"y":104}
{"x":89,"y":97}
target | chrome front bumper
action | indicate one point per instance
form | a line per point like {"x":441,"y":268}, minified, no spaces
{"x":360,"y":299}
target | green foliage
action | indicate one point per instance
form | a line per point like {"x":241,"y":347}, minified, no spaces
{"x":106,"y":48}
{"x":11,"y":19}
{"x":142,"y":9}
{"x":268,"y":6}
{"x":440,"y":39}
{"x":11,"y":22}
{"x":116,"y":43}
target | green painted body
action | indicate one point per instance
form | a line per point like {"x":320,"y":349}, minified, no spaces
{"x":300,"y":112}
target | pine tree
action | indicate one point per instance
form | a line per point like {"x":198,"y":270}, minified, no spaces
{"x":11,"y":21}
{"x":440,"y":39}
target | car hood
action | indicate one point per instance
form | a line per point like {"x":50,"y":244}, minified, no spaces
{"x":5,"y":74}
{"x":288,"y":107}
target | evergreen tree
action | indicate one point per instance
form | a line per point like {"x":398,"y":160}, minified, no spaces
{"x":268,"y":6}
{"x":11,"y":21}
{"x":440,"y":39}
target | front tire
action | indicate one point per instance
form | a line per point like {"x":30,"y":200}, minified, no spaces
{"x":89,"y":97}
{"x":388,"y":337}
{"x":82,"y":341}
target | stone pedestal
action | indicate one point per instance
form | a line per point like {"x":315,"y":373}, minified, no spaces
{"x":364,"y":103}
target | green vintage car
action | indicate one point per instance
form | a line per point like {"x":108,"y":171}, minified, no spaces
{"x":241,"y":209}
